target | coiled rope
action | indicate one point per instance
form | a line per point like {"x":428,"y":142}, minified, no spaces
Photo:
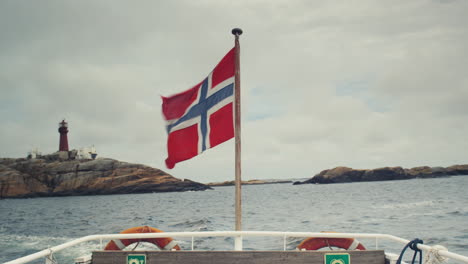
{"x":433,"y":256}
{"x":414,"y":246}
{"x":50,"y":259}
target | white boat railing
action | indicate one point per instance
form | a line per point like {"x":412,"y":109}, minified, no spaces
{"x":238,"y":235}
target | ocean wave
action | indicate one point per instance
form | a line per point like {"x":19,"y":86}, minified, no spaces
{"x":24,"y":245}
{"x":408,"y":205}
{"x":193,"y":225}
{"x":32,"y":240}
{"x":435,"y":240}
{"x":458,"y":212}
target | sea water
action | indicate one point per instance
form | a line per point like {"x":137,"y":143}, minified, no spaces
{"x":434,"y":210}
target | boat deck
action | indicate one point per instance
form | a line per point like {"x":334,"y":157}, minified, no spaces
{"x":236,"y":257}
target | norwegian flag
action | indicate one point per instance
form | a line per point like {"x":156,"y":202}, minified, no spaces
{"x":201,"y":117}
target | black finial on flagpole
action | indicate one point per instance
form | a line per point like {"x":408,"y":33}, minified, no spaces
{"x":236,"y":31}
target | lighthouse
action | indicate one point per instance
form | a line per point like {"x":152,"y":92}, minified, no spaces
{"x":63,"y":130}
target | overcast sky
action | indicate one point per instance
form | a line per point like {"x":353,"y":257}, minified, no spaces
{"x":363,"y":84}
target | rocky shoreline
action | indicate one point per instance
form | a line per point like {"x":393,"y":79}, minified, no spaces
{"x":345,"y":174}
{"x":52,"y":176}
{"x":250,"y":182}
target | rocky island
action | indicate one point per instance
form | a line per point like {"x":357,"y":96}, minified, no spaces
{"x":345,"y":174}
{"x":249,"y":182}
{"x":51,"y":175}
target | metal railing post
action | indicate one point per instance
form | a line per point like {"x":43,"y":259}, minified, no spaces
{"x":238,"y":243}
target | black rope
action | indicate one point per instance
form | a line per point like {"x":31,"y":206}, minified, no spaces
{"x":414,"y":246}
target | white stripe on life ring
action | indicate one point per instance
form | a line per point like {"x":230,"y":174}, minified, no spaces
{"x":119,"y":244}
{"x":354,"y":245}
{"x":170,"y":245}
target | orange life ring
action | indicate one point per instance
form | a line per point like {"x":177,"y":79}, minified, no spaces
{"x":316,"y":243}
{"x":165,"y":243}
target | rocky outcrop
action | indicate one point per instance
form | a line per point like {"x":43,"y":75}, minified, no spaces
{"x":51,"y":176}
{"x":457,"y":170}
{"x":345,"y":174}
{"x":250,"y":182}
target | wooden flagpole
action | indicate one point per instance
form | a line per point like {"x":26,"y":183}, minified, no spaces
{"x":237,"y":132}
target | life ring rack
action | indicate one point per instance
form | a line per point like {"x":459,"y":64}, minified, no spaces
{"x":316,"y":243}
{"x":164,"y":243}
